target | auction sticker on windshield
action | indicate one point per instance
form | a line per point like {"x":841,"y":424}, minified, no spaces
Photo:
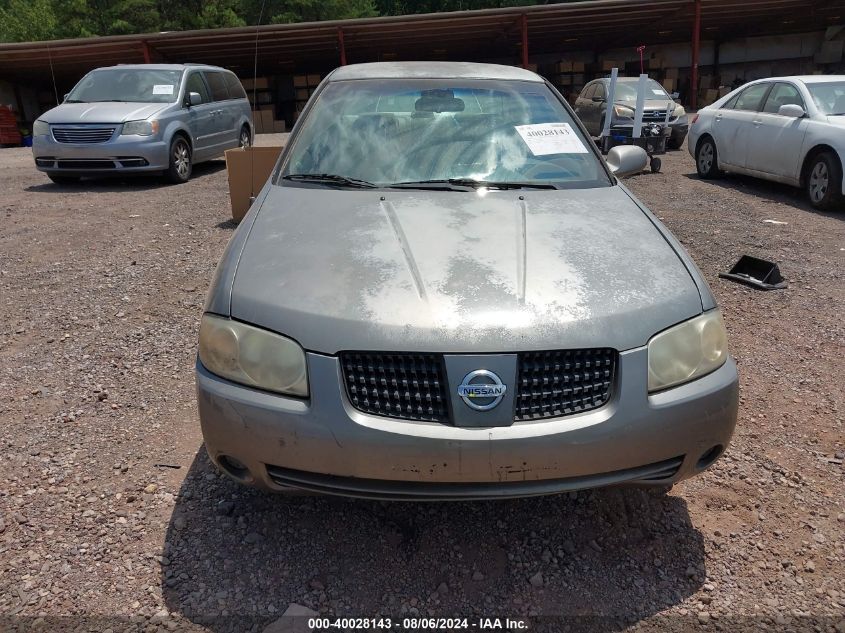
{"x":551,"y":138}
{"x":162,"y":89}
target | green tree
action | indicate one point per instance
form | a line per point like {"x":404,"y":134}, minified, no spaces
{"x":27,"y":20}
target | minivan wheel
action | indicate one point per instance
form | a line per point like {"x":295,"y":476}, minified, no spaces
{"x":245,"y":140}
{"x":180,"y":161}
{"x":63,"y":180}
{"x":824,"y":180}
{"x":705,"y":159}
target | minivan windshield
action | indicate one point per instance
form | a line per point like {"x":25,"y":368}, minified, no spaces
{"x":409,"y":132}
{"x":627,"y":90}
{"x":138,"y":85}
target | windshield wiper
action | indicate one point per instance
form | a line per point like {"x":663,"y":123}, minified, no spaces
{"x":471,"y":183}
{"x":330,"y":178}
{"x":75,"y":101}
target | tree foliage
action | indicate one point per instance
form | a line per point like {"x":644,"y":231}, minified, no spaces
{"x":27,"y":20}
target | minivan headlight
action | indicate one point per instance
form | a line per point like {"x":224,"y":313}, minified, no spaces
{"x":40,"y":128}
{"x":252,"y":356}
{"x":687,"y":351}
{"x":140,"y":128}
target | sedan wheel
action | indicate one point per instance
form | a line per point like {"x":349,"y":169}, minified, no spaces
{"x":705,"y":159}
{"x":180,"y":161}
{"x":824,"y":179}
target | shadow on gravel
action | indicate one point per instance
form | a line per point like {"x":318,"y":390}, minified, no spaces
{"x":237,"y":557}
{"x":768,"y":190}
{"x":122,"y":183}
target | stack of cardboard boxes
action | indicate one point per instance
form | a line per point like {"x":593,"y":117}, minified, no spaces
{"x":263,"y":109}
{"x":304,"y":85}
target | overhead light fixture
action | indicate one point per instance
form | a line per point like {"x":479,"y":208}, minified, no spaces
{"x":439,"y":51}
{"x":789,"y":21}
{"x":663,"y":32}
{"x":571,"y":39}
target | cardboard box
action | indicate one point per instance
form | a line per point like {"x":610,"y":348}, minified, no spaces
{"x":563,"y":66}
{"x":248,"y":169}
{"x":671,"y":73}
{"x":723,"y":90}
{"x":654,"y":63}
{"x":266,"y":117}
{"x":531,"y":67}
{"x":259,"y":83}
{"x":669,"y":84}
{"x":609,"y":64}
{"x":563,"y":80}
{"x":711,"y":95}
{"x":302,"y":94}
{"x":300,"y":81}
{"x":579,"y":67}
{"x":278,"y":127}
{"x":313,"y":80}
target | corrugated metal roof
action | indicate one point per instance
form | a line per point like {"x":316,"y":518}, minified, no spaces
{"x":468,"y":35}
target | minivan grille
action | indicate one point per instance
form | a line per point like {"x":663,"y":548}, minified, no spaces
{"x":551,"y":384}
{"x":82,"y":134}
{"x":407,"y":386}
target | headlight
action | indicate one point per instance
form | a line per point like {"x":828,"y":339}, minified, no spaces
{"x":252,"y":356}
{"x":40,"y":128}
{"x":679,"y":111}
{"x":140,"y":128}
{"x":687,"y":351}
{"x":623,"y":111}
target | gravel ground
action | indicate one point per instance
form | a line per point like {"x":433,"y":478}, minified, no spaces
{"x":110,"y":511}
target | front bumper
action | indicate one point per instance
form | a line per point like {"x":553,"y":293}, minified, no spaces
{"x":325,"y":445}
{"x":121,"y":154}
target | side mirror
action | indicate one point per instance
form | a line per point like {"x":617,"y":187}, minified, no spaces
{"x":598,"y":99}
{"x":625,"y":160}
{"x":194,"y":98}
{"x":792,"y":110}
{"x":65,"y":97}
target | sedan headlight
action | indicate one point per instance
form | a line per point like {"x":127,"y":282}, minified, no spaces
{"x":252,"y":356}
{"x":140,"y":128}
{"x":687,"y":351}
{"x":40,"y":128}
{"x":623,"y":112}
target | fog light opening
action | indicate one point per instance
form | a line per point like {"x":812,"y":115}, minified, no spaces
{"x":234,"y":467}
{"x":706,"y":460}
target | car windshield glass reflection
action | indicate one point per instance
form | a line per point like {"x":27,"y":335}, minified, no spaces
{"x":435,"y":131}
{"x":627,"y":91}
{"x":127,"y":85}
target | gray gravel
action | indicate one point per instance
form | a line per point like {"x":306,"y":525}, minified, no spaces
{"x":110,"y":509}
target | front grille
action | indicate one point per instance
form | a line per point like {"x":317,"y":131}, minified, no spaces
{"x":551,"y":384}
{"x":82,"y":134}
{"x":652,"y":116}
{"x":407,"y":386}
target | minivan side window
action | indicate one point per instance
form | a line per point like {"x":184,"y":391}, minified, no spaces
{"x":236,"y":90}
{"x":751,"y":98}
{"x":782,"y":94}
{"x":215,"y":80}
{"x":196,"y":84}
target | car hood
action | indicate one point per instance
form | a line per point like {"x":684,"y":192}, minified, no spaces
{"x":101,"y":112}
{"x":649,"y":104}
{"x":462,"y":272}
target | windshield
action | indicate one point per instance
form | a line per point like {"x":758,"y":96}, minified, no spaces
{"x":407,"y":131}
{"x":627,"y":90}
{"x":829,"y":96}
{"x":139,"y":85}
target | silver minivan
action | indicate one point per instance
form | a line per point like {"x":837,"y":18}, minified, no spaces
{"x":142,"y":118}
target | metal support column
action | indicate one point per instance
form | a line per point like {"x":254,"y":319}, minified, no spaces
{"x":145,"y":49}
{"x":696,"y":49}
{"x":341,"y":44}
{"x":525,"y":40}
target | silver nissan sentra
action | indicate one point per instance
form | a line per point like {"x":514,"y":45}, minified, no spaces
{"x":444,"y":292}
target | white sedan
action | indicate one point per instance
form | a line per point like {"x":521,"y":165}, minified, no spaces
{"x":787,"y":129}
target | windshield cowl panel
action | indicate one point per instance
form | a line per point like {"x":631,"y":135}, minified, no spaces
{"x":127,"y":85}
{"x":447,"y":134}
